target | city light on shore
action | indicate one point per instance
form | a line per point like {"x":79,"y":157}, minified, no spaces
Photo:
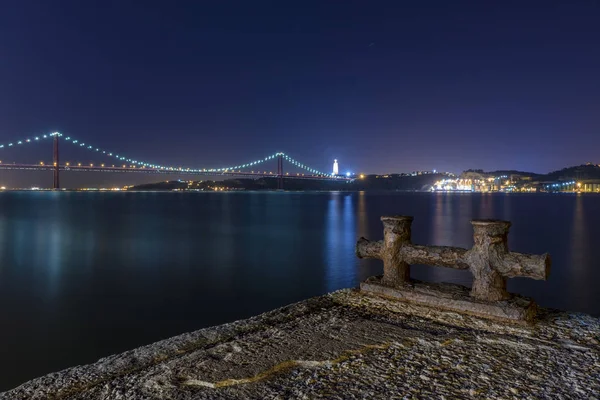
{"x":477,"y":182}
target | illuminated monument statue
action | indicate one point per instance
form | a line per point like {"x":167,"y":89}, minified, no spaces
{"x":336,"y":170}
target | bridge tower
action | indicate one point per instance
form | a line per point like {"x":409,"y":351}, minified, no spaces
{"x":280,"y":172}
{"x":56,"y":185}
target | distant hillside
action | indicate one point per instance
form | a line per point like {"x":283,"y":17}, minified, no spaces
{"x":510,"y":172}
{"x":243,"y":184}
{"x":170,"y":185}
{"x":398,"y":182}
{"x":368,"y":182}
{"x":580,"y":172}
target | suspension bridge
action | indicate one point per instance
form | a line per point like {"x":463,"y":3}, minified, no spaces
{"x":121,"y":163}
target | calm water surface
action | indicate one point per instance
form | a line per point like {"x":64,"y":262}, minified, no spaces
{"x":86,"y":275}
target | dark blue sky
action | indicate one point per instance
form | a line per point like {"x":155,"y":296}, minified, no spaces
{"x":383,"y":86}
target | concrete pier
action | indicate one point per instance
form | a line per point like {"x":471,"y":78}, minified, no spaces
{"x":348,"y":344}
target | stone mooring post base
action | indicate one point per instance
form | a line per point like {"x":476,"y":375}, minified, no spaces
{"x":457,"y":298}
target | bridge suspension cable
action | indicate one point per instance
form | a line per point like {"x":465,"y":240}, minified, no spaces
{"x":27,"y":140}
{"x":121,"y":157}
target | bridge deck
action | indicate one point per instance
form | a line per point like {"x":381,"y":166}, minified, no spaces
{"x":84,"y":168}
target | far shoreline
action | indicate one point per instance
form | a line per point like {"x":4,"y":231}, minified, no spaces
{"x":288,"y":191}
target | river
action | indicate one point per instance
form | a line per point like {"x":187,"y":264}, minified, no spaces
{"x":87,"y":274}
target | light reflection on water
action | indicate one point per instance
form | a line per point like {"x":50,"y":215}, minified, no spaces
{"x":85,"y":275}
{"x":578,"y":253}
{"x":340,"y":238}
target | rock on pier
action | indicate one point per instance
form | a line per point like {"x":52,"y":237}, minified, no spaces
{"x":348,"y":345}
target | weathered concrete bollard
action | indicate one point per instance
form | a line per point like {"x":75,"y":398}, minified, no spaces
{"x":396,"y":232}
{"x":489,"y":260}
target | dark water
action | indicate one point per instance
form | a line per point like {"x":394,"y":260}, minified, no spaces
{"x":85,"y":275}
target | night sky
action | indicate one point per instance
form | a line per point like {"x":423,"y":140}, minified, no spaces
{"x":382,"y":86}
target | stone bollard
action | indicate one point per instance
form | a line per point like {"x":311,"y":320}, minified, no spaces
{"x":490,"y":239}
{"x":396,"y":232}
{"x":489,"y":260}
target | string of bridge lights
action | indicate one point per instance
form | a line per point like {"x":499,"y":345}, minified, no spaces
{"x":35,"y":139}
{"x":120,"y":157}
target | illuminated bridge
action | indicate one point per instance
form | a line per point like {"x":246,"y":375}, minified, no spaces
{"x":121,"y":163}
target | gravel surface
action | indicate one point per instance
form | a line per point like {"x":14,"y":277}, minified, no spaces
{"x":348,"y":345}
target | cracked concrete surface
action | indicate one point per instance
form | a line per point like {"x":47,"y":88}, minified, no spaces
{"x":348,"y":345}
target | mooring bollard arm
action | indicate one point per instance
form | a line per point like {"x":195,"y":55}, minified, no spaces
{"x":514,"y":265}
{"x":437,"y":256}
{"x":367,"y":249}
